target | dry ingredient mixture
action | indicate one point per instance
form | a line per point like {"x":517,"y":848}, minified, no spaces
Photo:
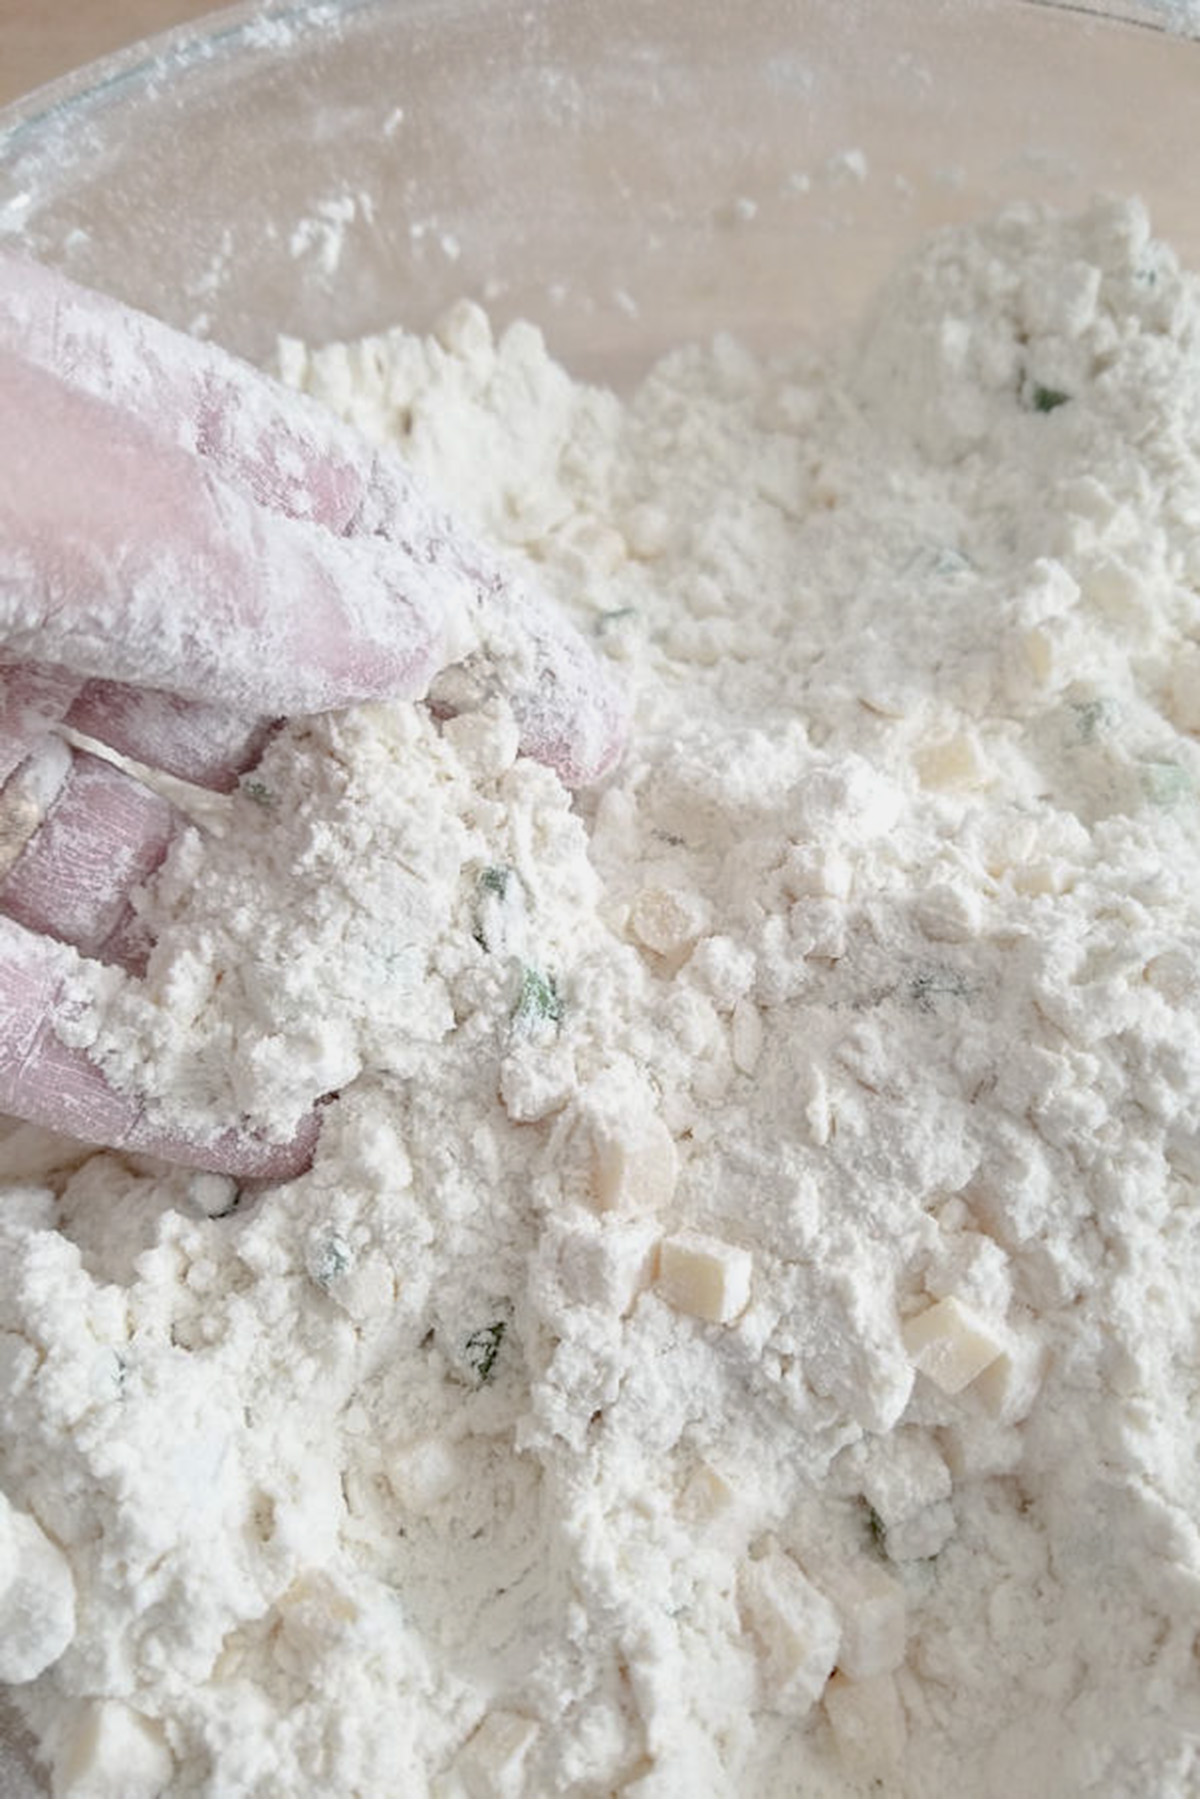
{"x":739,"y":1335}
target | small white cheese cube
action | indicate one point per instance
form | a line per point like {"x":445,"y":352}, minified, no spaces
{"x":491,"y":1765}
{"x":114,"y":1753}
{"x":630,"y":1152}
{"x":714,"y":1509}
{"x":1009,"y":1386}
{"x":704,"y":1277}
{"x":634,"y":1164}
{"x":955,"y":762}
{"x":796,"y":1627}
{"x":951,"y":1344}
{"x":666,"y":920}
{"x":871,"y":1615}
{"x":867,"y":1720}
{"x":37,"y":1597}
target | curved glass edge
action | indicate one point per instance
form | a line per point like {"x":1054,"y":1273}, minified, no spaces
{"x":1174,"y":18}
{"x":250,"y":25}
{"x":255,"y":26}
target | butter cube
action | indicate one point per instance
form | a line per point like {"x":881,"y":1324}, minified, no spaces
{"x":665,"y":920}
{"x":796,"y":1627}
{"x":704,"y":1277}
{"x":634,"y":1164}
{"x":951,"y":1344}
{"x":1010,"y":1384}
{"x":952,"y":762}
{"x":871,"y":1615}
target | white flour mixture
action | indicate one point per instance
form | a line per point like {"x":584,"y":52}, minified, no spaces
{"x":739,"y":1335}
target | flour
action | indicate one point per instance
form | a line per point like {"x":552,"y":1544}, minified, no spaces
{"x":737,"y":1336}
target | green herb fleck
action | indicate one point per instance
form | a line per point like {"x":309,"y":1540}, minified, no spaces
{"x":1090,"y":715}
{"x":498,"y":896}
{"x":1047,"y":399}
{"x":876,"y":1529}
{"x":1165,"y":783}
{"x":332,"y":1258}
{"x":931,"y":985}
{"x":949,"y":561}
{"x":606,"y":620}
{"x":482,"y":1348}
{"x":260,"y":793}
{"x":538,"y":1002}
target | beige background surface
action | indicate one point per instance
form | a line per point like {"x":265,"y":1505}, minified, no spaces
{"x":43,"y":38}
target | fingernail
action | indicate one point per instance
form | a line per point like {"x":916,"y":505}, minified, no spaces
{"x":28,"y":796}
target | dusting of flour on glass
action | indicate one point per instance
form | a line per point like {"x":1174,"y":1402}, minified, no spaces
{"x":738,"y":1336}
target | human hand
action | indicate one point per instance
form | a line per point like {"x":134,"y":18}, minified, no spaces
{"x":187,"y":552}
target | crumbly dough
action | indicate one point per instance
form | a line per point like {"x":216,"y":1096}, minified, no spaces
{"x":738,"y":1335}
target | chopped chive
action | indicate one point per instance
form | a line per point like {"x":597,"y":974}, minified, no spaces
{"x":1048,"y":399}
{"x":876,"y":1529}
{"x":482,"y":1348}
{"x":538,"y":1002}
{"x":1090,"y":716}
{"x":605,"y":619}
{"x":332,"y":1258}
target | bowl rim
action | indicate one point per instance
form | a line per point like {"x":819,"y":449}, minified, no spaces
{"x":265,"y":24}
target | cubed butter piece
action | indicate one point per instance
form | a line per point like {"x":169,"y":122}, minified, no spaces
{"x":951,"y":1344}
{"x":954,"y":762}
{"x":867,"y":1720}
{"x":714,"y":1509}
{"x":871,"y":1614}
{"x":666,"y":920}
{"x":1010,"y":1384}
{"x":634,"y":1164}
{"x":704,"y":1277}
{"x":796,"y":1627}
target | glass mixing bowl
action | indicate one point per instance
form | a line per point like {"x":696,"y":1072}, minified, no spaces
{"x":628,"y":175}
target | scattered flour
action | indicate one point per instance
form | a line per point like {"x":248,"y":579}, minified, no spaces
{"x":738,"y":1336}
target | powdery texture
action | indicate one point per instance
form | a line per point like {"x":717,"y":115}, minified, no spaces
{"x":738,"y":1335}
